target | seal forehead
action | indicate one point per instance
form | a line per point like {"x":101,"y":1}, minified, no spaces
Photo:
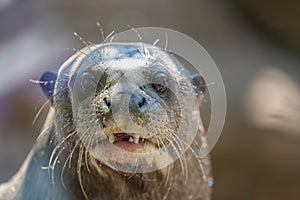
{"x":134,"y":57}
{"x":116,"y":55}
{"x":127,"y":63}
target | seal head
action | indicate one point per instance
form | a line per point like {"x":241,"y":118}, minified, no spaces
{"x":125,"y":124}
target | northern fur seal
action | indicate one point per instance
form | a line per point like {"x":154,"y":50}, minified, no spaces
{"x":121,"y":114}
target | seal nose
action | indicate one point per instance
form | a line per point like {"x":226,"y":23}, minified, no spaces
{"x":138,"y":102}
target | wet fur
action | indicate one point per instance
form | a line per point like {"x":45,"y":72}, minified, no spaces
{"x":60,"y":167}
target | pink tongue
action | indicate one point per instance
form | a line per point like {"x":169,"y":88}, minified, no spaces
{"x":129,"y":146}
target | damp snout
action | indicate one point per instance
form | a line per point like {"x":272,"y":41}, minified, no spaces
{"x":125,"y":107}
{"x":138,"y":102}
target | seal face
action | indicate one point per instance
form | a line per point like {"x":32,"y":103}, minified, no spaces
{"x":126,"y":126}
{"x":133,"y":107}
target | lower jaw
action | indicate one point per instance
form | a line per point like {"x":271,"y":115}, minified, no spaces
{"x":133,"y":159}
{"x":122,"y":150}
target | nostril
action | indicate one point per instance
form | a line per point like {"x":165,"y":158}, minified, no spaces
{"x":107,"y":102}
{"x":138,"y":102}
{"x":142,"y":102}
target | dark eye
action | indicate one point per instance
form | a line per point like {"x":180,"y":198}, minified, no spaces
{"x":87,"y":82}
{"x":160,"y":82}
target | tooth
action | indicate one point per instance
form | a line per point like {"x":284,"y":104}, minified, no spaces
{"x":111,"y":138}
{"x":130,"y":139}
{"x":136,"y":139}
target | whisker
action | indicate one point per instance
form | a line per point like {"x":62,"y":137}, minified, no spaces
{"x":63,"y":170}
{"x":86,"y":43}
{"x":166,"y":41}
{"x":135,"y":170}
{"x":86,"y":154}
{"x":80,"y":51}
{"x":178,"y":155}
{"x":165,"y":148}
{"x":79,"y":163}
{"x":139,"y":36}
{"x":111,"y":39}
{"x":181,"y":151}
{"x":54,"y":164}
{"x":101,"y":31}
{"x":108,"y":36}
{"x":169,"y":188}
{"x":40,"y":111}
{"x":155,"y":42}
{"x":72,"y":152}
{"x":199,"y":162}
{"x":58,"y":146}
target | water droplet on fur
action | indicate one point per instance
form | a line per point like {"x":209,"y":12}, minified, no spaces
{"x":210,"y":182}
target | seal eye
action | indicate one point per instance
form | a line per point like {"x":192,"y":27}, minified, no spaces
{"x":160,"y":82}
{"x":87,"y":82}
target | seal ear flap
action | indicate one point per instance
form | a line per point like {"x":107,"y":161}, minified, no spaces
{"x":199,"y":84}
{"x":47,"y":83}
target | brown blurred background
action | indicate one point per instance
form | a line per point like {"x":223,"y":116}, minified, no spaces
{"x":255,"y":44}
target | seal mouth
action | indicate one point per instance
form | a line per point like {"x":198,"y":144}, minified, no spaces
{"x":129,"y":142}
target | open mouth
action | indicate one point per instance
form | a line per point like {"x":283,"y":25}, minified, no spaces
{"x":129,"y":142}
